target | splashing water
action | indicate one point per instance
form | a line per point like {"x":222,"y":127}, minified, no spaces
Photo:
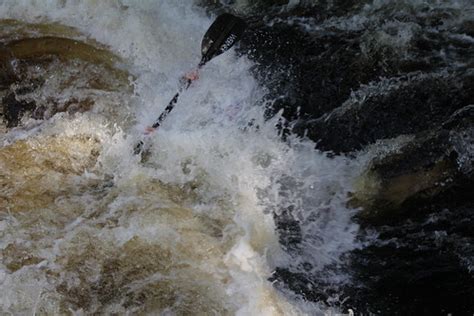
{"x":87,"y":227}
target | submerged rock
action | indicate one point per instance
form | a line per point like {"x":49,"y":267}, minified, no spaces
{"x":65,"y":48}
{"x":45,"y":72}
{"x":11,"y":29}
{"x":39,"y":170}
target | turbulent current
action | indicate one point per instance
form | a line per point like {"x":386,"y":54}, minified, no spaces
{"x":323,"y":165}
{"x":88,"y":227}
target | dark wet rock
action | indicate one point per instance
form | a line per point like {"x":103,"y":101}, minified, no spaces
{"x":312,"y":289}
{"x":283,"y":8}
{"x":421,"y":214}
{"x":462,"y":118}
{"x":420,"y":264}
{"x":315,"y":73}
{"x":289,"y":230}
{"x":14,"y":105}
{"x":420,"y":170}
{"x":312,"y":67}
{"x":7,"y":74}
{"x":13,"y":109}
{"x":413,"y":106}
{"x":467,"y":27}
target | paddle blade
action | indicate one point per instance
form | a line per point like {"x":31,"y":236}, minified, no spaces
{"x":221,"y":35}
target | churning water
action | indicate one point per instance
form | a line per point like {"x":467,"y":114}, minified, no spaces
{"x":87,"y":227}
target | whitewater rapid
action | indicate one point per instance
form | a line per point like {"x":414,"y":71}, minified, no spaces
{"x":188,"y":230}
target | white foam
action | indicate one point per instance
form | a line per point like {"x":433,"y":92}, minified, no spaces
{"x":206,"y":140}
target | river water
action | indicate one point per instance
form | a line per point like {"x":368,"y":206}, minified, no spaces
{"x":88,"y":227}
